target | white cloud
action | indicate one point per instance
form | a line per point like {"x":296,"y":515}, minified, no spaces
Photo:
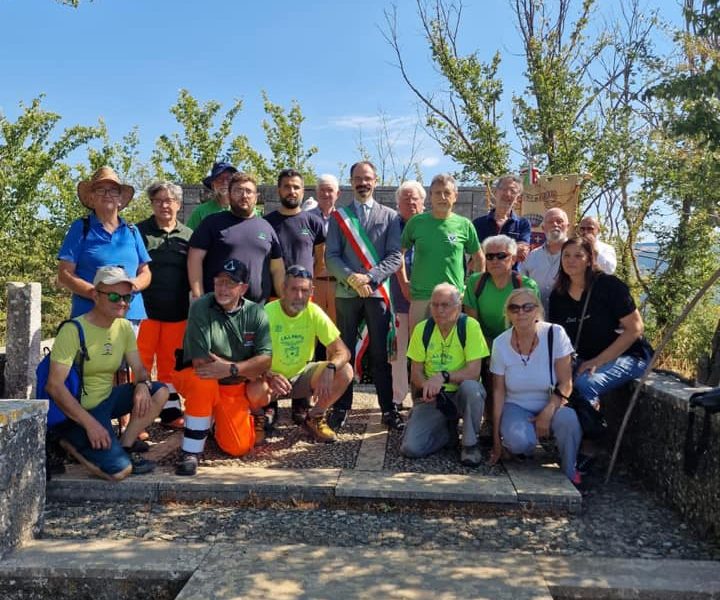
{"x":372,"y":122}
{"x":430,"y":161}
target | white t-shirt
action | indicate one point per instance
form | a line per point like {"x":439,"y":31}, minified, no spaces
{"x":527,"y":385}
{"x":543,"y":267}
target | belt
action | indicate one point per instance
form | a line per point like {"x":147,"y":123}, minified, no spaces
{"x":330,"y":278}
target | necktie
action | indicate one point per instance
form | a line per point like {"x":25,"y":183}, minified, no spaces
{"x":364,"y":211}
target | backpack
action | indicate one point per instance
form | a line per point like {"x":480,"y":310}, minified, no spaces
{"x":514,"y":276}
{"x":73,"y":382}
{"x":461,"y":330}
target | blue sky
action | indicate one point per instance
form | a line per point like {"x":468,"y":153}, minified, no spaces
{"x":125,"y":60}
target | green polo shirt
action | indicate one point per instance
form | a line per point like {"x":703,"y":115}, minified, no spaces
{"x":235,"y":336}
{"x":210,"y":208}
{"x":167,"y":297}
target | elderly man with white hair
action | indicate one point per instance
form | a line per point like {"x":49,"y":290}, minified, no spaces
{"x":410,"y":199}
{"x":446,"y":351}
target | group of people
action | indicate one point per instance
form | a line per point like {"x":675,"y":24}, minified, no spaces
{"x":236,"y":311}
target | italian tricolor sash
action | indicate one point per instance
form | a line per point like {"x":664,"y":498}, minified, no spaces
{"x":366,"y":253}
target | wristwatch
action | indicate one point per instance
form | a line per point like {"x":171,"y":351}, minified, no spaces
{"x":331,"y":366}
{"x":233,"y":370}
{"x":445,"y":376}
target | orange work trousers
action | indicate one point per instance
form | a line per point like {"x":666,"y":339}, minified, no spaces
{"x":228,"y":405}
{"x":157,"y":342}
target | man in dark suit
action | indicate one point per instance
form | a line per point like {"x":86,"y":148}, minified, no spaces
{"x":362,"y":250}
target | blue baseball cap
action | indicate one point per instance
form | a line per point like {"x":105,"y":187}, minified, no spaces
{"x":217,"y":169}
{"x":236,"y":270}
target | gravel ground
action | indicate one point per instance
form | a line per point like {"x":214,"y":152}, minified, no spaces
{"x":619,"y":520}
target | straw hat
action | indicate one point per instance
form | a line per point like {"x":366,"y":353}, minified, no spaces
{"x":85,"y":188}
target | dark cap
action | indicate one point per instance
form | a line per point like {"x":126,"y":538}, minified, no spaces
{"x":236,"y":270}
{"x":217,"y":169}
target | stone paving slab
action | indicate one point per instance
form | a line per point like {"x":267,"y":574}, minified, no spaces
{"x":545,"y":484}
{"x":371,"y":456}
{"x":425,"y":486}
{"x":292,"y":572}
{"x":621,"y":578}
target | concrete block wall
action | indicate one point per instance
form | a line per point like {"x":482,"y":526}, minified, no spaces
{"x":22,"y":471}
{"x":654,"y":448}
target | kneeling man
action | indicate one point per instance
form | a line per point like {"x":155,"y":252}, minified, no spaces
{"x":446,"y":352}
{"x":295,"y":325}
{"x":88,"y":435}
{"x":227,"y":341}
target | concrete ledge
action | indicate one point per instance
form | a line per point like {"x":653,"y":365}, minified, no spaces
{"x":615,"y":578}
{"x":543,"y":484}
{"x":423,"y":486}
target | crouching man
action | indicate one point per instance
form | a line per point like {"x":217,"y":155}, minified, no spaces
{"x":226,"y":351}
{"x":295,"y":325}
{"x":446,"y":352}
{"x":109,"y":337}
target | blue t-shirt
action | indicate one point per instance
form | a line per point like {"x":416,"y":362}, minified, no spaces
{"x":298,"y":235}
{"x":123,"y":247}
{"x":252,"y":241}
{"x":517,"y":228}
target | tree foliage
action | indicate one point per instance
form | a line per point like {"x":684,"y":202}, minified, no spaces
{"x":463,"y":119}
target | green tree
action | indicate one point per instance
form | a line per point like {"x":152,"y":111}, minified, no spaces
{"x":463,"y":118}
{"x":187,"y":157}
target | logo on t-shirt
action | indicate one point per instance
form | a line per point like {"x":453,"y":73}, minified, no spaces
{"x":305,"y":231}
{"x":452,"y":238}
{"x":249,"y":339}
{"x":262,"y":236}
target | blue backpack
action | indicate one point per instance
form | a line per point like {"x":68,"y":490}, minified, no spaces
{"x":73,"y":382}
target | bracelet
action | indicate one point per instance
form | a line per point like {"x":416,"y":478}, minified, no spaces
{"x":557,"y":392}
{"x":147,"y":384}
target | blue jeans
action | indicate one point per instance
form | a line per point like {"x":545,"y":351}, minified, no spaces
{"x":609,"y":376}
{"x":118,"y":403}
{"x":519,"y":436}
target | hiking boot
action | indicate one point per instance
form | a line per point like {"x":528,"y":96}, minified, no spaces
{"x":393,"y":420}
{"x":187,"y":465}
{"x":140,"y":465}
{"x":319,"y":429}
{"x":300,"y":407}
{"x":260,"y":428}
{"x":336,"y":419}
{"x":470,"y":456}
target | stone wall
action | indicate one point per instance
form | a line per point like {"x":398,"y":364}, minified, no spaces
{"x":654,"y":443}
{"x":471,"y":201}
{"x":22,"y":471}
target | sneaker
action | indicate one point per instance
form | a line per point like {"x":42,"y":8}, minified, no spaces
{"x":319,"y":429}
{"x":393,"y":420}
{"x":470,"y":456}
{"x":187,"y":465}
{"x":300,"y":407}
{"x":336,"y":419}
{"x":140,"y":465}
{"x":260,"y":428}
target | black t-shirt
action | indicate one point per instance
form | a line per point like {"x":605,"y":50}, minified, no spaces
{"x":252,"y":241}
{"x":610,"y":301}
{"x":298,"y":235}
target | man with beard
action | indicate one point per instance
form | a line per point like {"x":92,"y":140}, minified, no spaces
{"x":301,"y":234}
{"x":542,"y":264}
{"x":240,"y":234}
{"x":362,"y":251}
{"x":217,"y":183}
{"x":295,"y":325}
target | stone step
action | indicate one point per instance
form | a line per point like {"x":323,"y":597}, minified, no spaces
{"x":232,"y":571}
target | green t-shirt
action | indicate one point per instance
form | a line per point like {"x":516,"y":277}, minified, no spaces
{"x":106,"y":348}
{"x":490,"y":305}
{"x":447,"y":354}
{"x":440,"y":246}
{"x":293,"y":338}
{"x":235,"y":336}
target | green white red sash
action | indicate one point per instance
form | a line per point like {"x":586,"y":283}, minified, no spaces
{"x":367,"y":255}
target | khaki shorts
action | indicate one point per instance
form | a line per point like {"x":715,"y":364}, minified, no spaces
{"x":302,"y":382}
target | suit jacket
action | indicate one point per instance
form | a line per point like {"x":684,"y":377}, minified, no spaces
{"x":383,"y":229}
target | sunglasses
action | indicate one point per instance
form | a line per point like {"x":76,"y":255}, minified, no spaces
{"x":114,"y":297}
{"x":526,"y":308}
{"x":497,"y":255}
{"x":297,"y":271}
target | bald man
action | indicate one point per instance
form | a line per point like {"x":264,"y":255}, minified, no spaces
{"x":604,"y":253}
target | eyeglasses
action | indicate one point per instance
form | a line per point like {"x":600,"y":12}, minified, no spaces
{"x":114,"y":297}
{"x":497,"y":255}
{"x":239,"y":191}
{"x":112,"y":192}
{"x":298,"y":271}
{"x":163,"y":201}
{"x":528,"y":307}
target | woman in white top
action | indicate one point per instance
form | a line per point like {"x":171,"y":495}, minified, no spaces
{"x":528,"y":398}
